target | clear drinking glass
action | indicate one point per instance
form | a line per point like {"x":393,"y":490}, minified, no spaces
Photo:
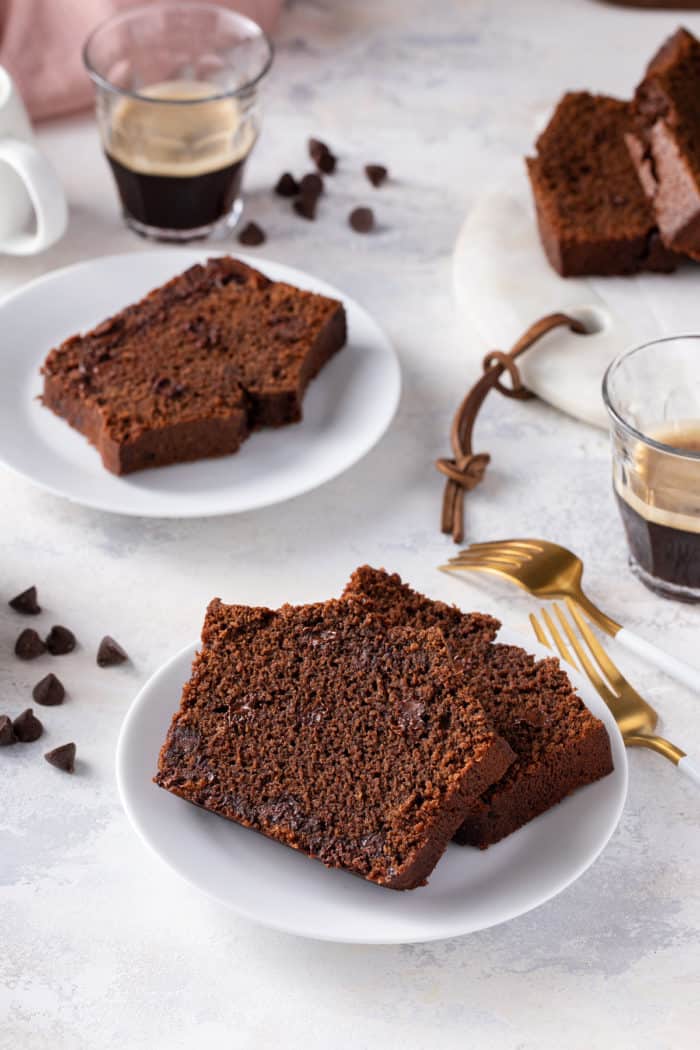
{"x":652,"y":395}
{"x":177,"y":89}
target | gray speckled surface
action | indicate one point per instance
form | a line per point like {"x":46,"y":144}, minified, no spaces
{"x":101,"y":946}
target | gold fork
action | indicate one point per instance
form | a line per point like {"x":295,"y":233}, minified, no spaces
{"x":549,"y":571}
{"x":636,"y":718}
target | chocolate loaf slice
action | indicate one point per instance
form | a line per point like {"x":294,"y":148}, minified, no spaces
{"x":665,"y":141}
{"x":320,"y":728}
{"x":189,"y":370}
{"x":559,"y":745}
{"x":592,"y":213}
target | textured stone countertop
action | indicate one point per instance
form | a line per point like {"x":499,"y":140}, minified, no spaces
{"x":101,"y":946}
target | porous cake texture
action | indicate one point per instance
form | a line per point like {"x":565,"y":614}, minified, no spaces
{"x":593,"y":214}
{"x":559,"y":745}
{"x":334,"y":734}
{"x":193,"y":367}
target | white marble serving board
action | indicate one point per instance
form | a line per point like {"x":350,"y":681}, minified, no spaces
{"x":503,"y":282}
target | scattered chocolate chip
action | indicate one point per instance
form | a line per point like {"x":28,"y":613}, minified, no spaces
{"x":252,"y":234}
{"x":60,"y":641}
{"x":306,"y":207}
{"x":376,"y":173}
{"x":160,"y":383}
{"x":26,"y":602}
{"x":110,"y":653}
{"x":49,"y":692}
{"x":175,"y":391}
{"x":27,"y":727}
{"x":7,"y":733}
{"x":322,"y":157}
{"x":361,"y":220}
{"x":287,"y":185}
{"x":29,"y":645}
{"x":62,"y":757}
{"x":311,"y":186}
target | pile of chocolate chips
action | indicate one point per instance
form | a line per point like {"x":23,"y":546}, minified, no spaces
{"x":49,"y":691}
{"x":306,"y":192}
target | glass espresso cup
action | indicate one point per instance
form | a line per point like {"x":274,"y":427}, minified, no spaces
{"x":177,"y":91}
{"x":652,"y":395}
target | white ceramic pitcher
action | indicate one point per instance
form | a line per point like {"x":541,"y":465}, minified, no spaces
{"x":33,"y":212}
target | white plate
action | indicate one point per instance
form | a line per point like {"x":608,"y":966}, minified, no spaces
{"x":269,"y":883}
{"x":346,"y":409}
{"x":503,"y":282}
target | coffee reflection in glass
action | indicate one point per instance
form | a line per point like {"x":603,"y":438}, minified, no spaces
{"x":653,"y":398}
{"x":178,"y":111}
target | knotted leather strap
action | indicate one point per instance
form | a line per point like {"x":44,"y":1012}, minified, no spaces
{"x":466,"y":468}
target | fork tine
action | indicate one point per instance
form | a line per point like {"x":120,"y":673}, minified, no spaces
{"x":561,"y":645}
{"x":539,"y":632}
{"x":607,"y":694}
{"x":524,"y":547}
{"x":609,"y":669}
{"x":467,"y":557}
{"x":482,"y":566}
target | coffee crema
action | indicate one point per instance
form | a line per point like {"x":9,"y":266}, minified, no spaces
{"x":658,"y":494}
{"x":177,"y":166}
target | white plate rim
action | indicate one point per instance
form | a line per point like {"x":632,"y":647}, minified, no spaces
{"x":293,"y":275}
{"x":582,"y":686}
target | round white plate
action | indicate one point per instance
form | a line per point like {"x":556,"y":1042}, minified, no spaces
{"x":503,"y":282}
{"x":346,"y":409}
{"x":269,"y":883}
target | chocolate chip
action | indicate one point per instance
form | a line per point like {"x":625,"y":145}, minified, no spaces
{"x":26,"y":602}
{"x":160,"y":383}
{"x":29,"y":645}
{"x":60,"y":641}
{"x":311,"y":186}
{"x":316,"y":148}
{"x":376,"y":173}
{"x":7,"y":733}
{"x":62,"y":757}
{"x":252,"y":234}
{"x":361,"y":220}
{"x":176,"y":391}
{"x":49,"y":692}
{"x":321,"y":156}
{"x":287,"y":185}
{"x":110,"y":653}
{"x":306,"y":207}
{"x":27,"y":727}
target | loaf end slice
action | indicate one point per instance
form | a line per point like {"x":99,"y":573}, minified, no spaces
{"x":664,"y":141}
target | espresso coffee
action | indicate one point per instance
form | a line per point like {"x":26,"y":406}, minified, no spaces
{"x":658,"y":494}
{"x":178,"y":155}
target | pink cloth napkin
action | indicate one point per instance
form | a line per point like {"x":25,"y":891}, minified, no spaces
{"x":41,"y":43}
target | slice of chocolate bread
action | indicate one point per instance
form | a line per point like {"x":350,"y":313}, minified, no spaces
{"x":592,"y":213}
{"x":559,"y":745}
{"x":189,"y":370}
{"x":320,"y":728}
{"x":665,"y":141}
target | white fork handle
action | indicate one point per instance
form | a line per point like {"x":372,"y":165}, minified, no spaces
{"x":691,"y":768}
{"x":678,"y":669}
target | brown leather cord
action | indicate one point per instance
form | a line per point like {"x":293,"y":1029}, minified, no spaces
{"x":466,"y":468}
